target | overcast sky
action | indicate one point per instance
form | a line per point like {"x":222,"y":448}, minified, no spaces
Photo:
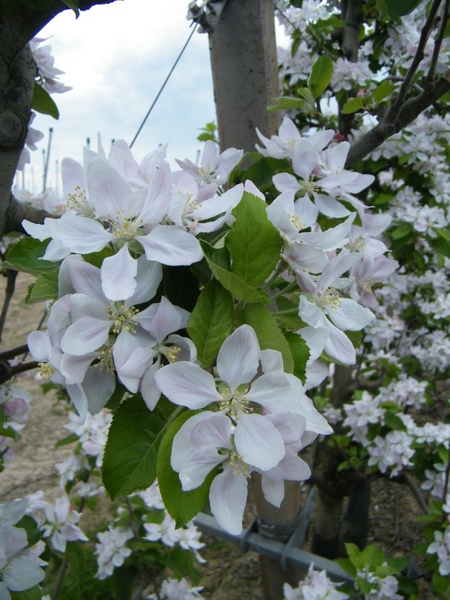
{"x":116,"y":58}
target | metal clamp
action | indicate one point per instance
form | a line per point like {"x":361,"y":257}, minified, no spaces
{"x":206,"y":14}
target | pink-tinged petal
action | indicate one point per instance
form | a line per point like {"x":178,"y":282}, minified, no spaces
{"x":39,"y":345}
{"x":200,"y":465}
{"x":305,"y":158}
{"x":316,"y":372}
{"x":310,"y":313}
{"x":339,"y":346}
{"x":330,"y":207}
{"x":183,"y":448}
{"x":251,"y":188}
{"x":131,"y":366}
{"x":332,"y":238}
{"x":291,"y":426}
{"x":285,"y":182}
{"x":86,"y":306}
{"x":118,"y":273}
{"x":301,"y":256}
{"x":85,"y":335}
{"x":314,"y":420}
{"x":158,"y":197}
{"x":336,"y":268}
{"x":74,"y":368}
{"x":122,"y":160}
{"x":186,"y":384}
{"x":210,"y":156}
{"x":215,"y":431}
{"x":109,"y":192}
{"x":315,"y":338}
{"x":271,"y":360}
{"x":306,"y":210}
{"x":167,"y":319}
{"x":228,"y":497}
{"x":350,"y":316}
{"x":258,"y":441}
{"x":85,"y":277}
{"x":273,"y":391}
{"x":80,"y":234}
{"x":171,"y":246}
{"x":320,"y":139}
{"x":273,"y":490}
{"x":238,"y":358}
{"x":73,"y":175}
{"x":188,"y":351}
{"x":148,"y":388}
{"x":99,"y":385}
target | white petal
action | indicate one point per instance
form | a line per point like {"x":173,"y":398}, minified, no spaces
{"x":182,"y":447}
{"x":274,"y":392}
{"x":186,"y":384}
{"x":118,"y":275}
{"x":238,"y":358}
{"x":85,"y":335}
{"x":23,"y":574}
{"x":350,"y":316}
{"x":258,"y":441}
{"x":228,"y":497}
{"x":171,"y":246}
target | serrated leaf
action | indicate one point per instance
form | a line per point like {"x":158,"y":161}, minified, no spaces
{"x":26,"y":255}
{"x":43,"y":103}
{"x":374,"y":556}
{"x":267,"y":331}
{"x":399,"y":8}
{"x":320,"y":76}
{"x":129,"y":463}
{"x":254,"y":243}
{"x":234,"y":284}
{"x":211,"y":321}
{"x":300,"y":354}
{"x":182,"y":506}
{"x":44,"y":288}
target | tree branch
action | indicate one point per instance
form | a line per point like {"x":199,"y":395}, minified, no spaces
{"x":410,"y":110}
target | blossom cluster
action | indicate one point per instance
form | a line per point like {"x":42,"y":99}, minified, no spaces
{"x":113,"y":322}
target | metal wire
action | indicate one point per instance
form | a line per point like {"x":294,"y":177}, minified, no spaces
{"x":163,"y":85}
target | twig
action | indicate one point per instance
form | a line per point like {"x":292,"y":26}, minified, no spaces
{"x":13,"y":352}
{"x":9,"y":291}
{"x":438,"y":43}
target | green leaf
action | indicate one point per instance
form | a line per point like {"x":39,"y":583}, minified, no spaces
{"x":43,"y":103}
{"x":73,"y":4}
{"x":211,"y":321}
{"x":440,"y":245}
{"x":33,"y":593}
{"x":34,"y":533}
{"x":182,"y":506}
{"x":321,"y":75}
{"x":44,"y":288}
{"x":300,"y":353}
{"x":262,"y":172}
{"x":374,"y":556}
{"x":286,"y":103}
{"x":393,"y":421}
{"x":399,"y":8}
{"x":180,"y":286}
{"x":69,"y":439}
{"x":353,"y":105}
{"x":122,"y":581}
{"x":26,"y":255}
{"x":234,"y":284}
{"x":267,"y":331}
{"x":254,"y":243}
{"x":384,"y":90}
{"x":129,"y":463}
